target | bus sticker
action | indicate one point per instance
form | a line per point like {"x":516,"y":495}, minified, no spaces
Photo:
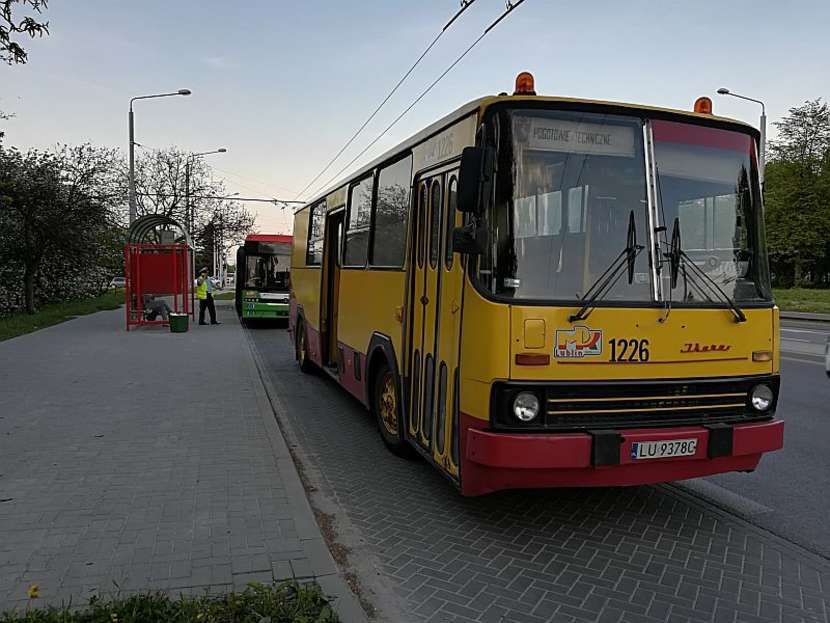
{"x":577,"y":343}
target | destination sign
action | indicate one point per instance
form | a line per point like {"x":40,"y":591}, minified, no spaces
{"x":574,"y":137}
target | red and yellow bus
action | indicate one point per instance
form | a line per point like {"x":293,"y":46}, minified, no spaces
{"x":541,"y":291}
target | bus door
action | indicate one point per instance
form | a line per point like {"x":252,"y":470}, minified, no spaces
{"x":331,"y":285}
{"x":435,"y":314}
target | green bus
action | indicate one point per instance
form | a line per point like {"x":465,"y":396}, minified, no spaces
{"x":262,"y":276}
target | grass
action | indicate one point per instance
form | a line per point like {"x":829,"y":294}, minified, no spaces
{"x":48,"y":315}
{"x":284,"y":603}
{"x":803,"y":300}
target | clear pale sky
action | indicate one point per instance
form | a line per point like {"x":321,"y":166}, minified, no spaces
{"x":283,"y":84}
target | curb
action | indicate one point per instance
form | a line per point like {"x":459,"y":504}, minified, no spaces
{"x":790,"y":315}
{"x":320,"y":564}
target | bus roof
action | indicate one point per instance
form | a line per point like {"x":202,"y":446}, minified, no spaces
{"x":485,"y":102}
{"x":269,"y":238}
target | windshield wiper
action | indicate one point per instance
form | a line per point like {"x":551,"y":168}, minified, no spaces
{"x":707,"y":286}
{"x":607,"y":280}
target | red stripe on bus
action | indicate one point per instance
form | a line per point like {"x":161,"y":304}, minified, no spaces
{"x":687,"y":134}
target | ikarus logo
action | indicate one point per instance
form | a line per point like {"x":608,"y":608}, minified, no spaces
{"x":576,"y":343}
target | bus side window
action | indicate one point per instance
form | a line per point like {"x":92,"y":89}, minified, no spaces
{"x":314,"y":248}
{"x":390,"y":214}
{"x":451,"y":203}
{"x":357,"y":226}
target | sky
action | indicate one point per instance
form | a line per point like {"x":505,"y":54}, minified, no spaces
{"x":282,"y":85}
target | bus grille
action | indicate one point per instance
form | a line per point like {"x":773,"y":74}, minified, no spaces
{"x":634,"y":404}
{"x":629,"y":405}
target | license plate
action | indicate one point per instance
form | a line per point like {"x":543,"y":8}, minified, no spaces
{"x":663,"y":449}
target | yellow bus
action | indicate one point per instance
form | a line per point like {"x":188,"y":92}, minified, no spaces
{"x":541,"y":291}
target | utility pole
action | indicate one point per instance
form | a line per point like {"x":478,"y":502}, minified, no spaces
{"x":188,"y":215}
{"x":131,"y":179}
{"x":131,"y":146}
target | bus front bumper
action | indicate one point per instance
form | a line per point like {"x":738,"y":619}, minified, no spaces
{"x":264,"y":310}
{"x":494,"y":460}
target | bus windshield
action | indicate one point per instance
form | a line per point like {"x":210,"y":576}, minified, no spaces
{"x":568,"y":183}
{"x":267,"y":273}
{"x":707,"y":180}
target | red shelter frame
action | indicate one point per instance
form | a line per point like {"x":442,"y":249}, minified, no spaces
{"x":160,"y":270}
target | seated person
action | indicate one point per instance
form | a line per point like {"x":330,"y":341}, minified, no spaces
{"x":154,"y":307}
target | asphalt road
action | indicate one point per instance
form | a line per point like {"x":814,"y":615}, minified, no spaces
{"x":739,"y":547}
{"x":789,"y":493}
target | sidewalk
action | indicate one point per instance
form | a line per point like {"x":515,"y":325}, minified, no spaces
{"x":790,"y":315}
{"x":124,"y":466}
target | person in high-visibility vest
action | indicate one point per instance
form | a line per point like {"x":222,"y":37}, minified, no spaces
{"x":204,"y":292}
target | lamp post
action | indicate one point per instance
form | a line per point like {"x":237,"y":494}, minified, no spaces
{"x":132,"y":145}
{"x":187,"y":166}
{"x":762,"y":148}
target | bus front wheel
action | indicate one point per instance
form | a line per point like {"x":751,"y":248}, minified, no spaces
{"x":386,"y":407}
{"x":306,"y":365}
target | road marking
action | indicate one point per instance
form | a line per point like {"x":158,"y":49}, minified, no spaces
{"x":804,"y":360}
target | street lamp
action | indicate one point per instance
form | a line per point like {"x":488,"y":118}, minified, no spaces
{"x":132,"y":145}
{"x":762,"y":148}
{"x":187,"y":166}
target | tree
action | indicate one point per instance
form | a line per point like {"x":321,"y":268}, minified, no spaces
{"x":55,"y":211}
{"x":3,"y":117}
{"x":227,"y":226}
{"x":797,"y":199}
{"x":167,"y":180}
{"x":11,"y":52}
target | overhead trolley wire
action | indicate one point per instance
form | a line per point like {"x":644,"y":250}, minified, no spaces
{"x":465,"y":4}
{"x":510,"y":8}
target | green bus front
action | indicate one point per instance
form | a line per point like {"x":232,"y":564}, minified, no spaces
{"x":262,"y":281}
{"x":256,"y":304}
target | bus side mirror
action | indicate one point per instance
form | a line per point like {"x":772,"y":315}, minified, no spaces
{"x":475,"y":173}
{"x":465,"y":240}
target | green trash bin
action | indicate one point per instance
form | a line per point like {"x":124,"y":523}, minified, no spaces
{"x":178,"y":323}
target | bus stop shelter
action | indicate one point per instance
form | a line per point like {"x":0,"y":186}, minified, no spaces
{"x":158,"y":263}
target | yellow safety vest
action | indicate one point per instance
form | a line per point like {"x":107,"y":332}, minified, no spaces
{"x":201,"y":289}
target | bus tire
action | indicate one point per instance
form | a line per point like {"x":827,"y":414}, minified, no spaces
{"x":386,"y":407}
{"x":301,"y":349}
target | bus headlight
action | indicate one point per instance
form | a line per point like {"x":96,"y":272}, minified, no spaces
{"x":525,"y":406}
{"x":761,"y":397}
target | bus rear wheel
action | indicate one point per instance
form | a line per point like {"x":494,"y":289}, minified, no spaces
{"x":306,"y":365}
{"x":386,"y":406}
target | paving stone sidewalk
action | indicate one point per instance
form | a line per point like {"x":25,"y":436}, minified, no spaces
{"x":146,"y":460}
{"x":631,"y":554}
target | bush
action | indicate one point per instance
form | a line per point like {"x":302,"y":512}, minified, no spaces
{"x":283,"y":603}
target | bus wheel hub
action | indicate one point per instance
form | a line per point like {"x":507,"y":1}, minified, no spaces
{"x":388,"y":404}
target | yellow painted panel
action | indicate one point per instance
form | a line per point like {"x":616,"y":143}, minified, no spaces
{"x":475,"y":397}
{"x":690,"y":343}
{"x":298,"y":247}
{"x":485,"y":350}
{"x":449,"y":326}
{"x":776,"y":336}
{"x":305,"y":283}
{"x":336,"y":199}
{"x":534,"y":333}
{"x":445,"y":145}
{"x":368,"y":302}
